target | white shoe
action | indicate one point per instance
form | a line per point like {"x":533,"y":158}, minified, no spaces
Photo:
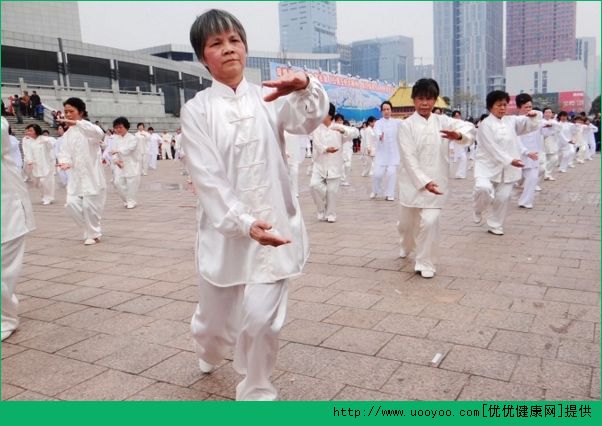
{"x":6,"y":334}
{"x":321,"y":217}
{"x":572,"y":166}
{"x":477,"y":217}
{"x":402,"y":253}
{"x":427,"y":274}
{"x":205,"y":367}
{"x":525,"y":206}
{"x":550,"y":178}
{"x":372,"y":195}
{"x":390,"y":199}
{"x":46,"y":202}
{"x":130,"y":205}
{"x":89,"y":241}
{"x":345,"y":183}
{"x":538,"y":188}
{"x":331,"y":219}
{"x":496,"y":231}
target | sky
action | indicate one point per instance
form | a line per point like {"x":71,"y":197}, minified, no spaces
{"x":136,"y":25}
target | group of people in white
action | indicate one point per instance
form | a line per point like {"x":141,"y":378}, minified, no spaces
{"x":238,"y":138}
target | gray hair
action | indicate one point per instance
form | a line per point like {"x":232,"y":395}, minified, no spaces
{"x":214,"y":21}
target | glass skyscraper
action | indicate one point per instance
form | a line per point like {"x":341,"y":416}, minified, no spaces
{"x":308,"y":26}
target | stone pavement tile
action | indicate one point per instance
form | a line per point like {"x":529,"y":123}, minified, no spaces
{"x":595,"y":388}
{"x":327,"y":259}
{"x":218,"y":398}
{"x":46,"y":274}
{"x":122,"y":323}
{"x":564,"y":282}
{"x":309,"y":332}
{"x":354,"y":299}
{"x":109,"y":386}
{"x":160,"y":331}
{"x":137,"y":357}
{"x":36,"y":259}
{"x":505,"y":320}
{"x":525,"y":344}
{"x":45,"y":373}
{"x":9,"y":391}
{"x":174,"y":275}
{"x":573,"y":296}
{"x":32,"y":396}
{"x":469,"y":285}
{"x":25,"y":287}
{"x":409,"y":305}
{"x":109,"y":299}
{"x":88,"y":318}
{"x":9,"y":349}
{"x":128,"y":284}
{"x":468,"y":334}
{"x":181,"y":369}
{"x":95,"y":348}
{"x":579,"y":273}
{"x":391,"y":264}
{"x":357,"y":340}
{"x":558,"y":261}
{"x":353,"y":261}
{"x":351,"y":393}
{"x":80,"y":294}
{"x":142,"y":304}
{"x":86,"y":265}
{"x":166,"y":392}
{"x":311,"y":311}
{"x":481,"y":362}
{"x":407,"y":325}
{"x":450,"y":312}
{"x":585,"y":255}
{"x":305,"y":359}
{"x":577,"y":352}
{"x":295,"y":387}
{"x":510,"y":275}
{"x":425,"y":383}
{"x":49,"y":290}
{"x":354,"y":252}
{"x":584,"y":313}
{"x":413,"y":350}
{"x":315,"y":280}
{"x":482,"y":389}
{"x":176,"y":310}
{"x":73,"y":278}
{"x":479,"y":299}
{"x":358,"y":370}
{"x":54,"y":311}
{"x":564,"y":327}
{"x":183,"y":342}
{"x":514,"y":290}
{"x":360,"y":318}
{"x":562,"y":395}
{"x":29,"y":328}
{"x":221,"y":382}
{"x":161,"y":288}
{"x":547,"y":373}
{"x":59,"y":339}
{"x":32,"y":304}
{"x":540,"y":307}
{"x":355,"y":284}
{"x":187,"y":294}
{"x":313,"y":294}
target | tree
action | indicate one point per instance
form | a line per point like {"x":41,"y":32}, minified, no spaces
{"x":595,"y":109}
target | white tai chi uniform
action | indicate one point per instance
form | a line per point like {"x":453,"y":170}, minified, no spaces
{"x":567,"y":146}
{"x":590,"y":132}
{"x":425,"y":158}
{"x":107,"y":147}
{"x":234,"y":142}
{"x":369,"y":141}
{"x":295,"y":152}
{"x":386,"y":156}
{"x":127,"y":177}
{"x":63,"y":175}
{"x":460,"y":160}
{"x":166,"y":146}
{"x":550,"y":131}
{"x":86,"y":190}
{"x":143,"y":150}
{"x":39,"y":155}
{"x":177,"y":145}
{"x":580,"y":139}
{"x":15,"y":152}
{"x":17,"y":220}
{"x":153,"y":150}
{"x":494,"y":173}
{"x":328,"y":167}
{"x":347,"y":159}
{"x":530,"y":142}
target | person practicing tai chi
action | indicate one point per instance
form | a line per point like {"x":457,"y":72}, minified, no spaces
{"x":39,"y":159}
{"x":386,"y":160}
{"x":423,"y":179}
{"x":251,"y":236}
{"x":126,"y":157}
{"x":498,"y":164}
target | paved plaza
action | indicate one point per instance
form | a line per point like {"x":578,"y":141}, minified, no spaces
{"x":517,"y":317}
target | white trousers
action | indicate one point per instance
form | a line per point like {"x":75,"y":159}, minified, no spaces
{"x":87,"y":211}
{"x":494,"y":194}
{"x":152,"y":161}
{"x":583,"y":152}
{"x":145,"y":163}
{"x":567,"y":156}
{"x":383,"y":181}
{"x":346,"y":168}
{"x":591,"y":143}
{"x":293,"y":176}
{"x":368,"y":165}
{"x":12,"y":263}
{"x":63,"y":177}
{"x":324,"y":192}
{"x":248,"y":317}
{"x":551,"y":164}
{"x":127,"y":187}
{"x":530,"y":179}
{"x":47,"y":186}
{"x":419,"y":229}
{"x":461,"y":163}
{"x":166,"y":151}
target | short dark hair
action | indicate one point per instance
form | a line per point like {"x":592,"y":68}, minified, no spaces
{"x":548,"y":108}
{"x":123,"y":121}
{"x":140,"y":124}
{"x":339,"y":115}
{"x":562,"y":114}
{"x":150,"y":129}
{"x":454,"y":112}
{"x":436,"y":109}
{"x":579,"y":118}
{"x":426,"y":87}
{"x":370,"y":119}
{"x":211,"y":22}
{"x":496,"y":95}
{"x":78,"y":104}
{"x":386,"y":103}
{"x":331,"y":110}
{"x":45,"y":132}
{"x":37,"y":129}
{"x":522,"y":99}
